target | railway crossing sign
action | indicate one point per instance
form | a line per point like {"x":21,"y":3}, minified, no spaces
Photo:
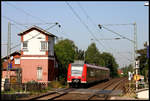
{"x":136,"y":77}
{"x":137,"y":64}
{"x":130,"y":75}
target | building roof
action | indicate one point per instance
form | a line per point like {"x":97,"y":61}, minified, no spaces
{"x":38,"y":29}
{"x":16,"y":52}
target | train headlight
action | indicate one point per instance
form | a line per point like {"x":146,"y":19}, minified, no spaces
{"x":69,"y":76}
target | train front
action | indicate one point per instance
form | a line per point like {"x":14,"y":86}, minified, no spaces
{"x":76,"y":75}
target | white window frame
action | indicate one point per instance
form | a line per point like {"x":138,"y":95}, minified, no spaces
{"x":39,"y":73}
{"x":25,"y":48}
{"x":17,"y":60}
{"x":46,"y":46}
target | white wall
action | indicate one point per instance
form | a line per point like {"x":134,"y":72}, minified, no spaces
{"x":34,"y":44}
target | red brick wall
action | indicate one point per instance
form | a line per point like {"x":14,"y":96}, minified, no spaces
{"x":5,"y":63}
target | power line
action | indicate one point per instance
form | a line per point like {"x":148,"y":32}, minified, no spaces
{"x":115,"y":33}
{"x":36,"y":23}
{"x":117,"y":24}
{"x":90,"y":19}
{"x":84,"y":24}
{"x":23,"y":11}
{"x":100,"y":26}
{"x":86,"y":14}
{"x":13,"y":21}
{"x":30,"y":38}
{"x":29,"y":14}
{"x":24,"y":26}
{"x":62,"y":31}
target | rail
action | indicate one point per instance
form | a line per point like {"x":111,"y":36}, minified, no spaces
{"x":50,"y":95}
{"x":106,"y":92}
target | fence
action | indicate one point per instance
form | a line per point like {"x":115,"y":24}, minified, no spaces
{"x":26,"y":86}
{"x":130,"y":87}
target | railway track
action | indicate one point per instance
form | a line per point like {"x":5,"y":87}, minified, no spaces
{"x":51,"y":95}
{"x":101,"y":91}
{"x":106,"y":90}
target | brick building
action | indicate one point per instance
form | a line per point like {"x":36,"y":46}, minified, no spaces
{"x":36,"y":59}
{"x":14,"y":72}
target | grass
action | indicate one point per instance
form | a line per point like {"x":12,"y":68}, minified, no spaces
{"x":53,"y":84}
{"x":56,"y":84}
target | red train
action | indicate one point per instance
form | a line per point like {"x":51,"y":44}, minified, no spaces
{"x":83,"y":74}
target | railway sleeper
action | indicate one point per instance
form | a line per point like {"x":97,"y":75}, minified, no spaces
{"x":102,"y":93}
{"x":105,"y":96}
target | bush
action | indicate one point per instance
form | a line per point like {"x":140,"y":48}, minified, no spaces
{"x":56,"y":84}
{"x":35,"y":86}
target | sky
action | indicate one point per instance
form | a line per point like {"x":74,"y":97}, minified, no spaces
{"x":79,"y":23}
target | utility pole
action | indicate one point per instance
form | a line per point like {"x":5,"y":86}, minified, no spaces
{"x":133,"y":41}
{"x":135,"y":48}
{"x":8,"y":47}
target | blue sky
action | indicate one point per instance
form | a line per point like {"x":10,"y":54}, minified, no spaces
{"x":71,"y":27}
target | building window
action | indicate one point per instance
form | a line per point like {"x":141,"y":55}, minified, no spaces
{"x":17,"y":60}
{"x":39,"y":73}
{"x":43,"y":45}
{"x":25,"y":45}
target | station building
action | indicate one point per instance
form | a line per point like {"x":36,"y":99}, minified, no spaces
{"x":13,"y":71}
{"x":36,"y":59}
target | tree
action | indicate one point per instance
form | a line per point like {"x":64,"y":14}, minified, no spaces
{"x":127,"y":69}
{"x":65,"y":52}
{"x":110,"y":63}
{"x":144,"y":61}
{"x":92,"y":55}
{"x":79,"y":55}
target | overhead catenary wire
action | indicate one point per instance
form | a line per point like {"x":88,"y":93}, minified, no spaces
{"x":117,"y":24}
{"x":36,"y":23}
{"x":88,"y":17}
{"x":115,"y":33}
{"x":100,"y":26}
{"x":29,"y":14}
{"x":12,"y":5}
{"x":29,"y":39}
{"x":13,"y":21}
{"x":86,"y":26}
{"x":84,"y":11}
{"x":24,"y":26}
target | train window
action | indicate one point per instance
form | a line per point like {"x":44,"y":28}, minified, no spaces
{"x":76,"y":70}
{"x":91,"y":73}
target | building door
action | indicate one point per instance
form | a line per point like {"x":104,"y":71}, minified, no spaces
{"x":39,"y":73}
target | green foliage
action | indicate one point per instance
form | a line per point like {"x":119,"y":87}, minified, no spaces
{"x":79,"y":55}
{"x":65,"y":52}
{"x":126,"y":70}
{"x":144,"y":61}
{"x":110,"y":63}
{"x":93,"y":56}
{"x":56,"y":84}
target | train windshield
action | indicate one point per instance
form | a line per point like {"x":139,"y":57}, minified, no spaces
{"x":76,"y":70}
